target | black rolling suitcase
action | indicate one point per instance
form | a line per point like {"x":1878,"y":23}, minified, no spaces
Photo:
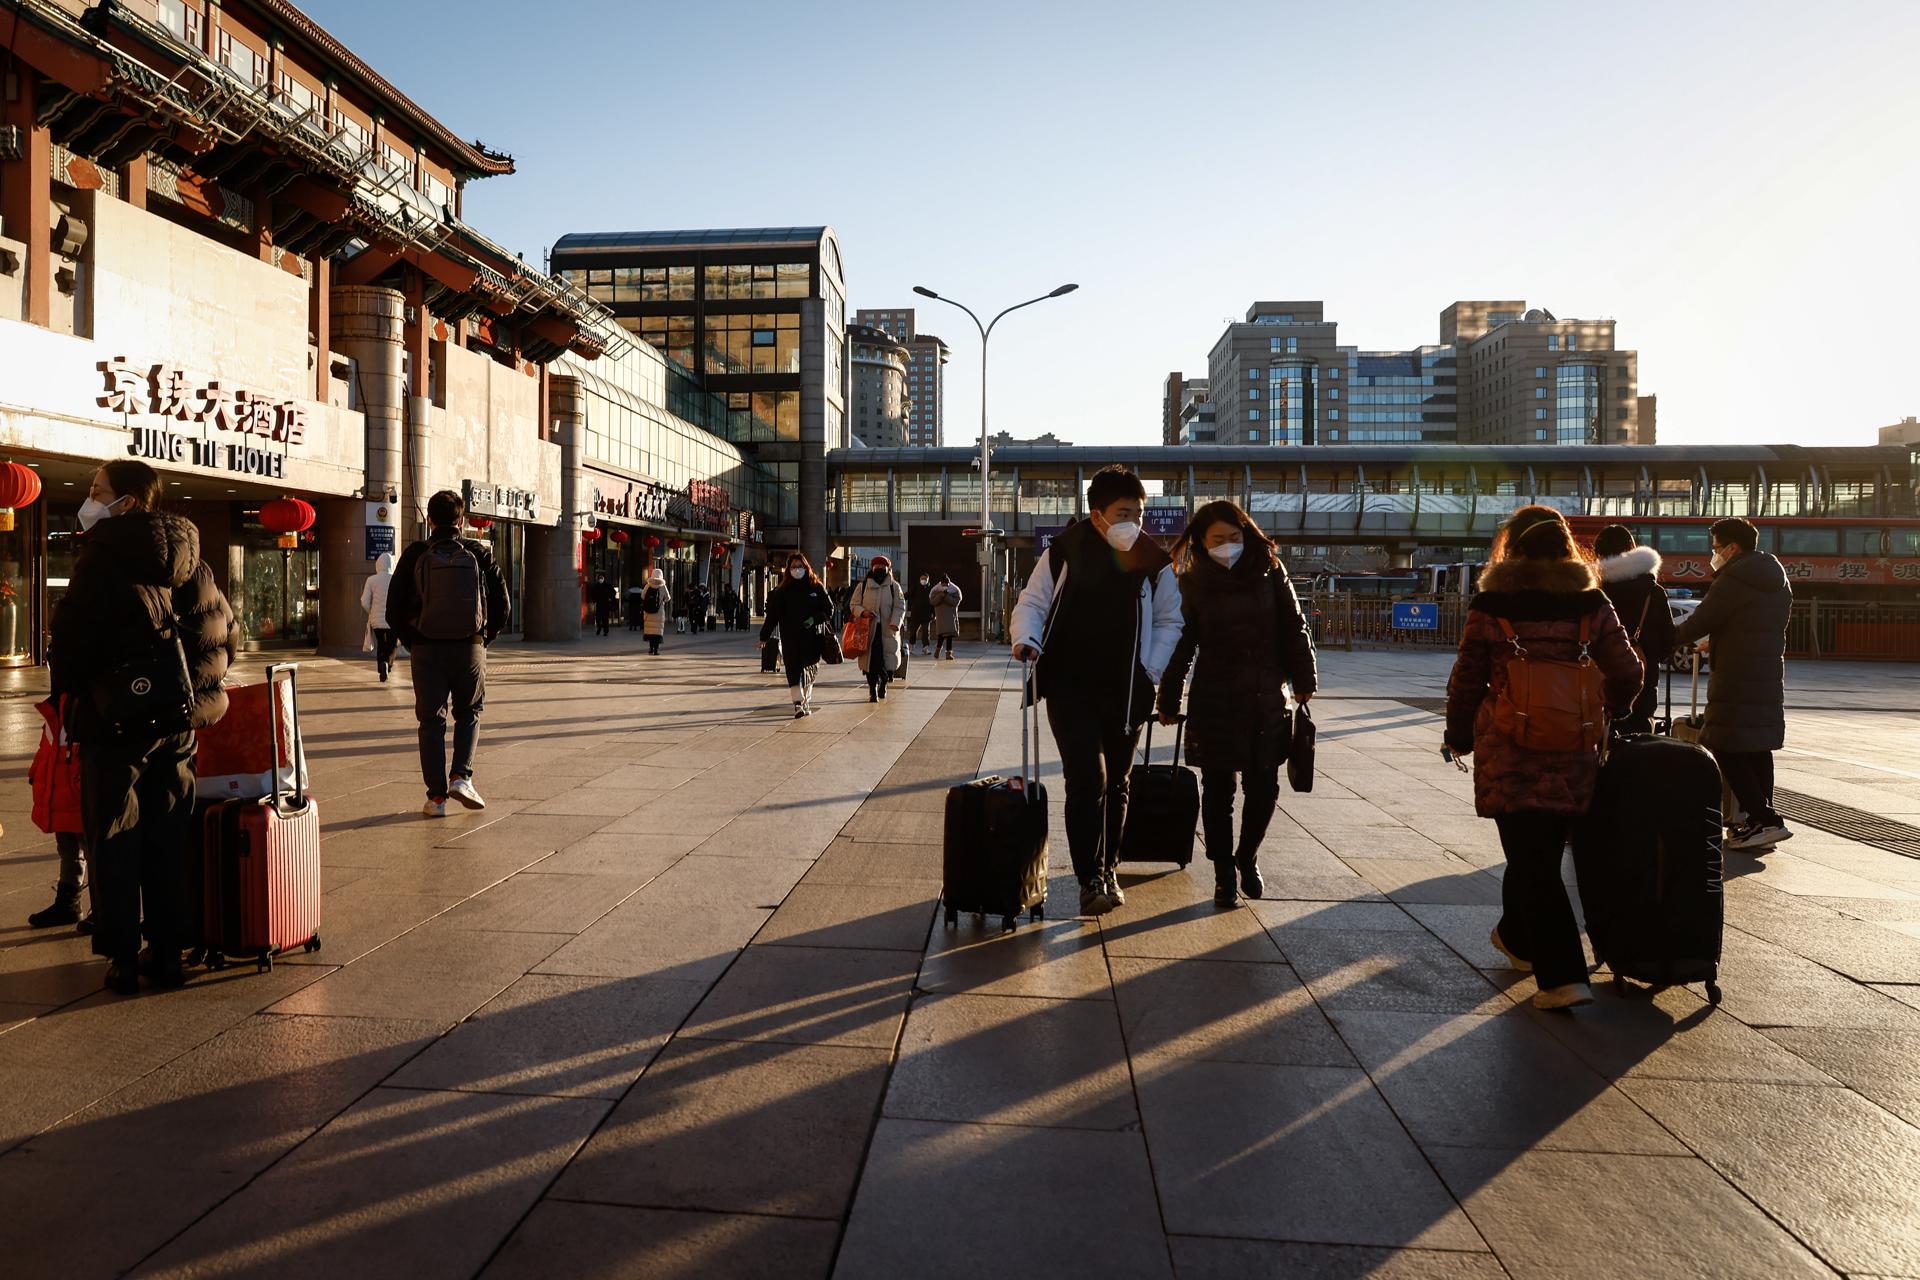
{"x":1647,"y":860}
{"x":995,"y":860}
{"x":1163,"y":808}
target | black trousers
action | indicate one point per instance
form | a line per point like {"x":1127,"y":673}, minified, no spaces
{"x":383,"y":645}
{"x":1750,"y":775}
{"x":1096,"y":753}
{"x":602,"y":619}
{"x":136,"y":799}
{"x":1262,"y":788}
{"x":1536,"y":917}
{"x":448,"y":671}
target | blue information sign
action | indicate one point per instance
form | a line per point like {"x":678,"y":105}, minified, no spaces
{"x":1164,"y":522}
{"x":1044,"y":534}
{"x":1415,"y":617}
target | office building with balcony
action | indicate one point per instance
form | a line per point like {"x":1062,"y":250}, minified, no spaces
{"x":926,"y":372}
{"x":877,"y":400}
{"x":1501,"y":374}
{"x":756,"y":316}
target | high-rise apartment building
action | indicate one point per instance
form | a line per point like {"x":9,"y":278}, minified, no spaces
{"x":1178,"y":407}
{"x":877,"y":387}
{"x":1501,"y":374}
{"x":926,"y":372}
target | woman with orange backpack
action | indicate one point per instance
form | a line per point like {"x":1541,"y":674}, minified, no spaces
{"x":1543,"y":665}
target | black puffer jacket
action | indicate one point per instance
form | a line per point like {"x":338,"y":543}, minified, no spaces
{"x":797,"y":609}
{"x":1631,"y":581}
{"x":132,"y":571}
{"x":1745,"y":615}
{"x":1252,"y":641}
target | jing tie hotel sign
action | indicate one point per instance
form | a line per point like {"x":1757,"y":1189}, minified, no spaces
{"x":243,"y":431}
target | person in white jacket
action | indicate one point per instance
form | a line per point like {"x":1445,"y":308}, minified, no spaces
{"x":1099,"y":618}
{"x":881,"y":602}
{"x":373,"y":599}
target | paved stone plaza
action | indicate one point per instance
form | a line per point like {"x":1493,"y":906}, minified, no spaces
{"x":679,"y":1003}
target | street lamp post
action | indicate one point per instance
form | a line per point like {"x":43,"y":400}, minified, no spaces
{"x":986,"y":450}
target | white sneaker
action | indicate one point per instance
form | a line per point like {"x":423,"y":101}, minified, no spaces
{"x":462,"y":790}
{"x":434,"y":809}
{"x":1513,"y":961}
{"x":1574,"y":993}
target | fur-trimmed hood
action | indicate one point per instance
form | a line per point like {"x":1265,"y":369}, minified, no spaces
{"x":1556,"y":577}
{"x":1631,"y":563}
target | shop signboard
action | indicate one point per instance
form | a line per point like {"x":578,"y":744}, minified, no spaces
{"x":500,"y":501}
{"x":382,"y":536}
{"x":746,"y":527}
{"x":158,"y":401}
{"x":640,"y":500}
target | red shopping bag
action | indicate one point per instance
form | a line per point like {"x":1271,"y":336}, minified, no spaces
{"x":55,"y":776}
{"x":856,"y":637}
{"x":235,"y":758}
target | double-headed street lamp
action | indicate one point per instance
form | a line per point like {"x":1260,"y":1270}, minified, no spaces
{"x":987,"y":531}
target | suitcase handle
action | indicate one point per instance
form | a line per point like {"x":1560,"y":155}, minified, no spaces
{"x":1179,"y":733}
{"x":1029,"y":719}
{"x":298,"y":800}
{"x":1693,"y":700}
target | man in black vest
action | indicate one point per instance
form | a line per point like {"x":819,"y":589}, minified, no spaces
{"x":447,"y":603}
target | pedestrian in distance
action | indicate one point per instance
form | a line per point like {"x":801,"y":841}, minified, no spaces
{"x":604,"y":597}
{"x":1100,"y":618}
{"x":920,"y":615}
{"x":1630,"y":575}
{"x":655,"y":603}
{"x":797,"y":609}
{"x":881,"y":602}
{"x":139,"y":601}
{"x":1742,"y":625}
{"x":373,"y":599}
{"x":945,"y":598}
{"x":1539,"y":602}
{"x":636,"y":596}
{"x":745,"y":606}
{"x":681,"y":605}
{"x":1245,"y":639}
{"x":697,"y":607}
{"x":729,"y":607}
{"x":448,"y":602}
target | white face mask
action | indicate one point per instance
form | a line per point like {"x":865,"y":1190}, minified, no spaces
{"x":1227,"y":553}
{"x":1718,"y":560}
{"x":93,"y":511}
{"x":923,"y":582}
{"x":796,"y":573}
{"x":1122,"y":535}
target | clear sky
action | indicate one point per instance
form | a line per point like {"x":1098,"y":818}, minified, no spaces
{"x":1738,"y":184}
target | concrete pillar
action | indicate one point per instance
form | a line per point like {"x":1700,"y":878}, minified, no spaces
{"x":364,"y":325}
{"x":553,"y":554}
{"x":320,"y":325}
{"x":26,"y":194}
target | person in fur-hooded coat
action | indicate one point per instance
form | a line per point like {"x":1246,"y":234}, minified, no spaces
{"x":1630,"y":576}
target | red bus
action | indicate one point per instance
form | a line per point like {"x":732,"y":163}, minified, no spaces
{"x":1826,"y":557}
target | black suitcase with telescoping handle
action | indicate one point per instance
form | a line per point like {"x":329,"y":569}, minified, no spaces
{"x":1163,"y":807}
{"x":995,"y":860}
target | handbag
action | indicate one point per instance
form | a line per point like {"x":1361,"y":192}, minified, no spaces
{"x":856,"y":637}
{"x":1300,"y":753}
{"x":829,"y":643}
{"x":150,"y":695}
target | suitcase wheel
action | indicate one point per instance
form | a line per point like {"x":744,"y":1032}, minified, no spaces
{"x":265,"y":962}
{"x":1186,"y":860}
{"x":216,"y":960}
{"x":1039,"y":912}
{"x":953,"y":918}
{"x":1713,"y":993}
{"x":313,"y":944}
{"x":1009,"y":923}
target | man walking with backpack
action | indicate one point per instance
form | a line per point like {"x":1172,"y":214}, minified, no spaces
{"x":448,"y":602}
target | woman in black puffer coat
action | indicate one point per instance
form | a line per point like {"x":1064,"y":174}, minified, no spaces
{"x":139,"y":575}
{"x":796,"y":609}
{"x":1629,"y":574}
{"x":1245,"y":623}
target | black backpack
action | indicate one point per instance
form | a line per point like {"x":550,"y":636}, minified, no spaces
{"x":452,"y":606}
{"x":650,"y":602}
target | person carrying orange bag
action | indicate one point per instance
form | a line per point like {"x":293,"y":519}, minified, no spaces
{"x":55,"y":779}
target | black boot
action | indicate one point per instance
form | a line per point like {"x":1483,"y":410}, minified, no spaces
{"x":1247,"y":862}
{"x":1224,"y":893}
{"x":65,"y":910}
{"x":123,"y":975}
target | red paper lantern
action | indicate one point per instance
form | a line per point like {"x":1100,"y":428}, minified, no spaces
{"x":480,"y":525}
{"x":653,"y":542}
{"x":719,"y":549}
{"x":675,"y":545}
{"x":590,"y":535}
{"x":19,"y":485}
{"x":287,"y":515}
{"x":621,"y":537}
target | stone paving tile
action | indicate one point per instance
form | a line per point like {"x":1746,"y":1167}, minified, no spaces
{"x":561,"y":1036}
{"x":1151,"y":925}
{"x":851,"y":862}
{"x":1671,"y":1034}
{"x":1061,"y":959}
{"x":690,"y":942}
{"x":891,"y":916}
{"x":1388,"y":971}
{"x":534,"y":903}
{"x":1319,"y":888}
{"x":1907,"y":995}
{"x":600,"y":801}
{"x":1206,"y":1258}
{"x":354,"y":924}
{"x":1222,"y":1012}
{"x":736,"y":1127}
{"x":809,"y":995}
{"x":1280,"y":916}
{"x":1851,"y":1187}
{"x":61,"y":1233}
{"x":50,"y":970}
{"x":615,"y":1242}
{"x":640,"y":858}
{"x":535,"y":834}
{"x":1289,"y":1153}
{"x":1824,"y":936}
{"x":1470,"y":1081}
{"x":1878,"y":1065}
{"x":433,"y":974}
{"x":1648,"y":1217}
{"x":700,"y":879}
{"x":1450,"y":882}
{"x":971,"y":1193}
{"x":1398,"y":843}
{"x":1013,"y":1060}
{"x":402,"y":1183}
{"x":1768,"y":986}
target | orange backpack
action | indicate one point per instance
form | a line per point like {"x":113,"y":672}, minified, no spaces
{"x":1552,"y":705}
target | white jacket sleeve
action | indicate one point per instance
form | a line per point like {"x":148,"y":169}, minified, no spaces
{"x":1036,"y":601}
{"x":1167,"y":624}
{"x":897,"y":608}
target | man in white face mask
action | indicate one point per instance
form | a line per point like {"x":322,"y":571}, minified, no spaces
{"x":1101,"y":614}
